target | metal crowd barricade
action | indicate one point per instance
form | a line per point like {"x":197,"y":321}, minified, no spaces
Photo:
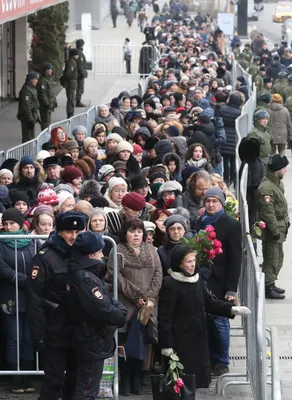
{"x":24,"y":149}
{"x":37,"y":371}
{"x":2,"y":157}
{"x":109,"y":59}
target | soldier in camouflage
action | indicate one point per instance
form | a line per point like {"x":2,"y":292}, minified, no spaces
{"x":69,"y":81}
{"x":46,"y":96}
{"x":28,"y":106}
{"x":273,"y":210}
{"x":82,"y":72}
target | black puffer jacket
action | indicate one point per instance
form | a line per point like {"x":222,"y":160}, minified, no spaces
{"x":230,"y":113}
{"x":94,"y":314}
{"x":208,"y":140}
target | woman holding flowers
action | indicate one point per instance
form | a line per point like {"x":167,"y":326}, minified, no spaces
{"x":182,"y":327}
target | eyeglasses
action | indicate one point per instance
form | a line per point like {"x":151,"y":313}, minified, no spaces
{"x":174,"y":229}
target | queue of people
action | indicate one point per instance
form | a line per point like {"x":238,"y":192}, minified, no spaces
{"x":152,"y":173}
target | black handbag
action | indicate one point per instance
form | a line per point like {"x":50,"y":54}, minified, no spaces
{"x":151,"y":334}
{"x":162,"y":391}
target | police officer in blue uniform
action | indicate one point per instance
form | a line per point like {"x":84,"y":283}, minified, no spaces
{"x":93,"y":312}
{"x":47,"y":307}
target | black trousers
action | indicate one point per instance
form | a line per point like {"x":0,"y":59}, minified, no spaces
{"x":229,"y":169}
{"x":56,"y":383}
{"x":88,"y":377}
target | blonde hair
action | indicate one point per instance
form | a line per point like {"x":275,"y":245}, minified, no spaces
{"x":217,"y":179}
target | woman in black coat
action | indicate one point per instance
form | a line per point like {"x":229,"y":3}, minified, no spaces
{"x":183,"y":304}
{"x":230,"y":113}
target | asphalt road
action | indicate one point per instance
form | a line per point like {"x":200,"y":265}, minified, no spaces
{"x":271,"y":30}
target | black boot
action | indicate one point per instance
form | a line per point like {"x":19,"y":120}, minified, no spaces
{"x":272,"y":294}
{"x":279,"y":290}
{"x":16,"y":385}
{"x":136,"y":376}
{"x":79,"y":104}
{"x":27,"y":385}
{"x":125,"y":376}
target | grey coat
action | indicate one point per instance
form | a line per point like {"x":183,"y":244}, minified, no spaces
{"x":281,"y":124}
{"x":140,"y":276}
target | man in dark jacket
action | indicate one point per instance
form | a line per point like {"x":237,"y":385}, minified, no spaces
{"x":230,"y":113}
{"x":225,"y":275}
{"x":82,"y":72}
{"x":28,"y":106}
{"x":205,"y":125}
{"x":47,"y":307}
{"x":275,"y":67}
{"x":46,"y":96}
{"x":95,"y":315}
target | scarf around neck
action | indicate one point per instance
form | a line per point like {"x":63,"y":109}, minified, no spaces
{"x":178,"y":276}
{"x":197,"y":163}
{"x":21,"y":243}
{"x":211,"y":219}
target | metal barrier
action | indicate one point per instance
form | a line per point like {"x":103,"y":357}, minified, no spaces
{"x":24,"y":149}
{"x":109,"y":60}
{"x":2,"y":157}
{"x":37,"y":371}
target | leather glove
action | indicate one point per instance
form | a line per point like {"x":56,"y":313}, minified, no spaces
{"x":240,"y":310}
{"x":276,"y":237}
{"x":166,"y":352}
{"x":39,"y":346}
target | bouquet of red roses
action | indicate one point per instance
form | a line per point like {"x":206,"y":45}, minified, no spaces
{"x":205,"y":244}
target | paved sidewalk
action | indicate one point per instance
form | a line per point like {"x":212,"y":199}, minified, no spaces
{"x":97,"y":91}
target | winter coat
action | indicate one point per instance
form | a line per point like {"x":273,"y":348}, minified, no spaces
{"x":288,"y":105}
{"x":145,"y":60}
{"x":7,"y":275}
{"x":273,"y":208}
{"x":192,"y":204}
{"x":183,"y":305}
{"x":279,"y":87}
{"x":164,"y":252}
{"x":28,"y":105}
{"x":274,"y":69}
{"x":138,"y":276}
{"x":209,"y":137}
{"x":229,"y":113}
{"x":281,"y":124}
{"x":227,"y":266}
{"x":181,"y":147}
{"x":287,"y":91}
{"x":94,"y":314}
{"x":263,"y":135}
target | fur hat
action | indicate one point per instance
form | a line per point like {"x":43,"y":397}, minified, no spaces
{"x":249,"y":149}
{"x":87,"y":166}
{"x":89,"y":188}
{"x":70,"y":221}
{"x":51,"y":162}
{"x":277,"y":162}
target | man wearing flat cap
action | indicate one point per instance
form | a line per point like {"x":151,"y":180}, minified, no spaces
{"x":52,"y":168}
{"x":28,"y":106}
{"x":46,"y":96}
{"x":273,"y":211}
{"x":47,"y":299}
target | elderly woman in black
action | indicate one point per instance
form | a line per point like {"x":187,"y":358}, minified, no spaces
{"x":183,"y":304}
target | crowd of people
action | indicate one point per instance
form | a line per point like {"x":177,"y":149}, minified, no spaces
{"x":153,"y":172}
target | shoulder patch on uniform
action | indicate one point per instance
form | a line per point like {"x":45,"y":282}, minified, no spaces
{"x":35,"y":271}
{"x":43,"y":251}
{"x":26,"y":97}
{"x":97,"y":293}
{"x":43,"y":86}
{"x":267,"y":198}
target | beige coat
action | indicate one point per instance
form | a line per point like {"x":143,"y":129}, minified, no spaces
{"x":141,"y":276}
{"x":280,"y":123}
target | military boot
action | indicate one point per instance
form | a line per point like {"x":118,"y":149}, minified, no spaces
{"x":271,"y":293}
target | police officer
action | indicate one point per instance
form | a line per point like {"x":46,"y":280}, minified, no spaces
{"x":46,"y":96}
{"x":28,"y":106}
{"x":47,"y":303}
{"x":69,"y":81}
{"x":82,"y":72}
{"x":95,"y":315}
{"x":273,"y":210}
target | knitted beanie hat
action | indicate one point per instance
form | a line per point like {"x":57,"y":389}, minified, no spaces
{"x":124,"y":146}
{"x":13,"y":214}
{"x":48,"y":196}
{"x":176,"y":219}
{"x":71,"y":173}
{"x":114,"y":136}
{"x":6,"y":171}
{"x":177,"y":255}
{"x":43,"y":209}
{"x":63,"y":196}
{"x":88,"y":141}
{"x":138,"y":182}
{"x":215,"y":192}
{"x":137,"y":149}
{"x":17,"y":195}
{"x":114,"y":181}
{"x":134,"y":201}
{"x":88,"y":243}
